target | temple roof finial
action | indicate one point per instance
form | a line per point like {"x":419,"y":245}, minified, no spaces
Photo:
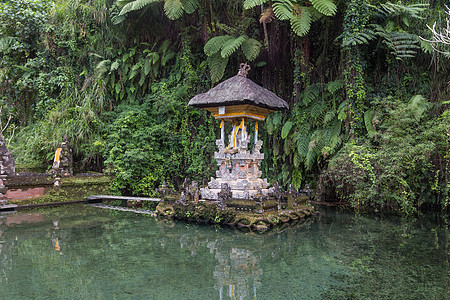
{"x":244,"y":68}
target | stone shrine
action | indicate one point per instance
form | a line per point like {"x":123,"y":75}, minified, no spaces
{"x":62,"y":163}
{"x":239,"y":101}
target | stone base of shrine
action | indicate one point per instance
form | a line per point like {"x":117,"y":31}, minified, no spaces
{"x":241,"y":188}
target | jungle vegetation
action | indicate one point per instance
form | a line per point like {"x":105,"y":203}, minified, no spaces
{"x":366,"y":81}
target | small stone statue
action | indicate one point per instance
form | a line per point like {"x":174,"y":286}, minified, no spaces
{"x":224,"y":194}
{"x":306,"y":190}
{"x":182,"y":200}
{"x":277,"y":193}
{"x":7,"y":162}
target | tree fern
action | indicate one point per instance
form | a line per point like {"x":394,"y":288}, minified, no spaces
{"x":326,"y":7}
{"x":231,"y":45}
{"x":173,"y":9}
{"x":215,"y":44}
{"x":134,"y":5}
{"x":252,"y":3}
{"x":190,"y":5}
{"x":217,"y":65}
{"x":251,"y":48}
{"x":283,"y":9}
{"x":301,"y":20}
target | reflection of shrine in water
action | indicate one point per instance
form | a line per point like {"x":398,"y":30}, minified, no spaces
{"x":237,"y":273}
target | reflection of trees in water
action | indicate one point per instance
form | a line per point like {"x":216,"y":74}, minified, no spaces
{"x":5,"y":253}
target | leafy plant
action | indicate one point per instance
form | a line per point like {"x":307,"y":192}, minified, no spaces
{"x":220,"y":48}
{"x":299,"y":13}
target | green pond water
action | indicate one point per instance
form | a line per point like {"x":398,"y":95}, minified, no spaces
{"x":81,"y":252}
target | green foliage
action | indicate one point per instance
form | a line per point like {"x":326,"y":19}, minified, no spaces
{"x":396,"y":169}
{"x":174,"y":9}
{"x":311,"y":133}
{"x":300,"y":13}
{"x":120,"y":92}
{"x":328,"y":8}
{"x":220,"y":48}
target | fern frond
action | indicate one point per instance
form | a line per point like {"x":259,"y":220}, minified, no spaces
{"x":302,"y":146}
{"x":232,"y":45}
{"x":368,"y":122}
{"x":402,"y":44}
{"x":335,"y":134}
{"x":252,"y":3}
{"x":329,"y":116}
{"x":311,"y":93}
{"x":134,"y":5}
{"x":190,"y":6}
{"x":326,"y":7}
{"x":393,"y":10}
{"x":334,"y":86}
{"x":311,"y":158}
{"x":251,"y":48}
{"x":297,"y":160}
{"x":286,"y":129}
{"x":173,"y":9}
{"x":301,"y":20}
{"x":317,"y":109}
{"x":283,"y":9}
{"x":103,"y":67}
{"x":217,"y":65}
{"x":417,"y":106}
{"x":215,"y":44}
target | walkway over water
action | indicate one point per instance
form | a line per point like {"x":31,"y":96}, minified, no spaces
{"x":135,"y":210}
{"x":101,"y":198}
{"x":87,"y":200}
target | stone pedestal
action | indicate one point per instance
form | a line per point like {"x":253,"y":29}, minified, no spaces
{"x":239,"y":168}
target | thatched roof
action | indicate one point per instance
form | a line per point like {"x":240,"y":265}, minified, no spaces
{"x":236,"y":91}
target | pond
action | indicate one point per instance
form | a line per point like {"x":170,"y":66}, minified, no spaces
{"x":91,"y":253}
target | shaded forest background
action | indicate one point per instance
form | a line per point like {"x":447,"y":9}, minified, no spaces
{"x":368,"y":123}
